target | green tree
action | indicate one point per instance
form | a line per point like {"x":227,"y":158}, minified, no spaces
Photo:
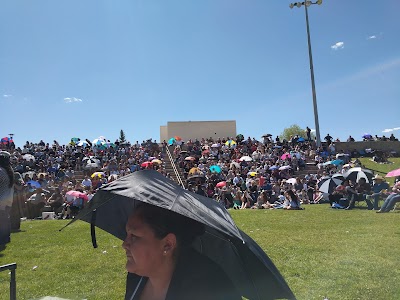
{"x":122,"y":138}
{"x":294,"y":130}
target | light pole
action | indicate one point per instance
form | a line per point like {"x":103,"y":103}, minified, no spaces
{"x":306,"y":4}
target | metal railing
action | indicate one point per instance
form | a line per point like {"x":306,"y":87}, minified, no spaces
{"x":178,"y":176}
{"x":13,"y":283}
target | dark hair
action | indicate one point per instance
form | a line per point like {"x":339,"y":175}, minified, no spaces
{"x":293,"y":197}
{"x":5,"y":164}
{"x":164,"y":221}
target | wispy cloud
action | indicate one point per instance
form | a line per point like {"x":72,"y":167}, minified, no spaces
{"x":337,"y":46}
{"x":7,"y":96}
{"x":371,"y":37}
{"x":72,"y":100}
{"x":391,"y":129}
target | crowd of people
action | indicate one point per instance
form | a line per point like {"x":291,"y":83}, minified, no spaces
{"x":237,"y":172}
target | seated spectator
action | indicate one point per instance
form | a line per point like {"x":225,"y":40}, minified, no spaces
{"x":378,"y":188}
{"x":391,"y":199}
{"x":358,"y":193}
{"x":56,"y":200}
{"x":35,"y":203}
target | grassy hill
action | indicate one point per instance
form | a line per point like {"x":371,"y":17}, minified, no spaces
{"x":320,"y":251}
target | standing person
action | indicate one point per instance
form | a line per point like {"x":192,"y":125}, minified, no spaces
{"x":308,"y":131}
{"x":6,"y":196}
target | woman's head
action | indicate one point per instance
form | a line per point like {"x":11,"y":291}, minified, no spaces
{"x":156,"y":236}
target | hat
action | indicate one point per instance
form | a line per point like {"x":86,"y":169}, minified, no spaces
{"x":378,"y":177}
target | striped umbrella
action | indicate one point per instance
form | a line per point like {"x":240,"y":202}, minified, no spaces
{"x":329,"y":184}
{"x":354,"y":174}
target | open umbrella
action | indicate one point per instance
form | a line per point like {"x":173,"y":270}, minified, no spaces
{"x":197,"y":177}
{"x":178,"y":138}
{"x":301,"y":140}
{"x":393,"y":173}
{"x":252,"y":173}
{"x":245,"y":158}
{"x":34,"y":183}
{"x":285,"y":156}
{"x":215,"y":169}
{"x":190,"y":158}
{"x":98,"y":175}
{"x":146,"y":164}
{"x":284,"y":168}
{"x":244,"y":262}
{"x":221,"y":184}
{"x":230,"y":143}
{"x":354,"y":174}
{"x":171,"y":141}
{"x":156,"y":161}
{"x":291,"y":180}
{"x":236,"y":164}
{"x":329,"y":184}
{"x":28,"y":157}
{"x":82,"y":144}
{"x":273,"y":168}
{"x":194,"y":170}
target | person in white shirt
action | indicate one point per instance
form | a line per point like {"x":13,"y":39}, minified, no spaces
{"x":86,"y":182}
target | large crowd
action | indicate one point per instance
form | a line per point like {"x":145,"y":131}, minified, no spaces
{"x":239,"y":173}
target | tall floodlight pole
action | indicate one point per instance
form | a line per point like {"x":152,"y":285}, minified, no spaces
{"x":306,"y":4}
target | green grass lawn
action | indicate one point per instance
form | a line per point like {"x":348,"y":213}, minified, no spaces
{"x":382,"y":169}
{"x":320,"y":251}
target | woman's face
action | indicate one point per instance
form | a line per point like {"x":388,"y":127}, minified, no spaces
{"x":144,"y":252}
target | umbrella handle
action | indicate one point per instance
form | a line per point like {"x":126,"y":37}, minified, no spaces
{"x":93,"y":228}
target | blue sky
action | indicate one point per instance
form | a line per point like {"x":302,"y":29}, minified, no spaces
{"x":90,"y":68}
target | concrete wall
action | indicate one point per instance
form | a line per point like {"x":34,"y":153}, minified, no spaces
{"x":198,"y":129}
{"x":387,"y":146}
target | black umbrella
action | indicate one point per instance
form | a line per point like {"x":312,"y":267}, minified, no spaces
{"x":329,"y":184}
{"x":354,"y":174}
{"x":197,"y":177}
{"x":248,"y":267}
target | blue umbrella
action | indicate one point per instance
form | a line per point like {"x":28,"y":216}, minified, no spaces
{"x":171,"y":141}
{"x":301,"y":140}
{"x":273,"y":168}
{"x":215,"y":169}
{"x":337,"y":162}
{"x":367,"y":136}
{"x":34,"y":184}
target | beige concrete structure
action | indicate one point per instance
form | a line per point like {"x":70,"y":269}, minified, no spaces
{"x":198,"y":129}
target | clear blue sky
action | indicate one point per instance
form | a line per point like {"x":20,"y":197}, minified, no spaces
{"x":94,"y":67}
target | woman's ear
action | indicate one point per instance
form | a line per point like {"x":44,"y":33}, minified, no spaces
{"x":170,"y":243}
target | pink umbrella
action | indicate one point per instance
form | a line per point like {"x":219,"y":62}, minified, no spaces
{"x":393,"y":173}
{"x":285,"y":156}
{"x":221,"y":184}
{"x":76,"y":194}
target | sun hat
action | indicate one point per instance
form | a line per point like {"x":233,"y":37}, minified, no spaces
{"x":378,"y":177}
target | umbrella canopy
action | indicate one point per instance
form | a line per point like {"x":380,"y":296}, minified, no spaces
{"x":252,"y":173}
{"x":34,"y":183}
{"x":5,"y":140}
{"x":285,"y":156}
{"x":284,"y":168}
{"x":367,"y":136}
{"x":190,"y":158}
{"x":236,"y":164}
{"x":301,"y":140}
{"x":76,"y":194}
{"x":83,"y":144}
{"x":245,"y":158}
{"x":178,"y":138}
{"x":215,"y":169}
{"x":393,"y":173}
{"x":215,"y":145}
{"x":329,"y":184}
{"x":354,"y":174}
{"x":28,"y":157}
{"x":146,"y":164}
{"x":171,"y":141}
{"x":336,"y":162}
{"x":230,"y":143}
{"x":98,"y":175}
{"x":273,"y":168}
{"x":98,"y":142}
{"x":194,"y":170}
{"x":91,"y":163}
{"x":291,"y":180}
{"x":266,"y":135}
{"x":221,"y":184}
{"x":246,"y":264}
{"x":156,"y":161}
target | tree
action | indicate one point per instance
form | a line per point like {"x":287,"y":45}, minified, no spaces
{"x":122,"y":138}
{"x":294,"y":130}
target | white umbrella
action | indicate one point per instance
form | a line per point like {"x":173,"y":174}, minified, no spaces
{"x":285,"y":168}
{"x":245,"y":158}
{"x":328,"y":185}
{"x":28,"y":157}
{"x":354,"y":174}
{"x":291,"y":180}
